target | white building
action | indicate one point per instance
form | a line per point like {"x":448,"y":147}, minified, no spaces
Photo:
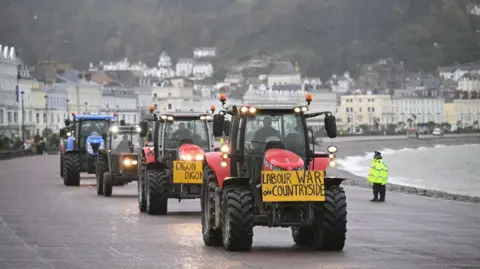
{"x":284,"y":73}
{"x":85,"y":96}
{"x":123,"y":101}
{"x":202,"y":70}
{"x":204,"y":52}
{"x":469,"y":82}
{"x":184,"y":67}
{"x":9,"y":107}
{"x":423,"y":109}
{"x":457,"y":71}
{"x":56,"y":106}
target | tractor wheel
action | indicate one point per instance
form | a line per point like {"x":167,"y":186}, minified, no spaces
{"x":107,"y":185}
{"x":71,"y":170}
{"x":157,"y":192}
{"x":237,"y":218}
{"x":331,"y":233}
{"x":61,"y":165}
{"x":142,"y":202}
{"x":211,"y":236}
{"x":303,"y":236}
{"x":100,"y":168}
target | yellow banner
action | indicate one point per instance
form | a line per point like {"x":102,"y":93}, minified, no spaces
{"x":293,"y":186}
{"x":187,"y":172}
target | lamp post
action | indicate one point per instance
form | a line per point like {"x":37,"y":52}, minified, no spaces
{"x":68,"y":111}
{"x":118,"y":115}
{"x":23,"y":117}
{"x":46,"y":115}
{"x":86,"y":106}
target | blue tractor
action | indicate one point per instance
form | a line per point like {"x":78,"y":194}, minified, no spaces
{"x":83,"y":138}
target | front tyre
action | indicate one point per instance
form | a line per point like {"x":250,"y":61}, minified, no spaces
{"x":157,"y":192}
{"x":211,"y":236}
{"x":142,"y":202}
{"x":331,"y":234}
{"x":100,"y":169}
{"x":237,"y":218}
{"x":71,"y":170}
{"x":61,"y":165}
{"x":107,"y":184}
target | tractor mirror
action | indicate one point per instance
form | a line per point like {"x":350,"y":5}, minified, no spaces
{"x":67,"y":122}
{"x":218,"y":125}
{"x":143,"y":129}
{"x":226,"y":127}
{"x":63,"y":133}
{"x":331,"y":126}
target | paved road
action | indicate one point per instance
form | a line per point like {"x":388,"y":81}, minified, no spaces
{"x":46,"y":225}
{"x":393,"y":137}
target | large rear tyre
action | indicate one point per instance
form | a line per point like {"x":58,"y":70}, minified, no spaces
{"x":237,"y":218}
{"x":100,"y":169}
{"x":107,"y":185}
{"x":331,"y":234}
{"x":157,"y":192}
{"x":303,"y":236}
{"x":142,"y":202}
{"x":71,"y":170}
{"x":211,"y":236}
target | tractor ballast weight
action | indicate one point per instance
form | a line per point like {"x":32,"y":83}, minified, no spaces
{"x":118,"y":163}
{"x":82,"y":139}
{"x":174,"y":159}
{"x":272,"y":177}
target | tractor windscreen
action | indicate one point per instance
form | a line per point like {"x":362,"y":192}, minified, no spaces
{"x":182,"y":131}
{"x":91,"y":127}
{"x":285,"y":127}
{"x":125,"y":140}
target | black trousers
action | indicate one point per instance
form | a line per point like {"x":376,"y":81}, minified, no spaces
{"x":379,"y":189}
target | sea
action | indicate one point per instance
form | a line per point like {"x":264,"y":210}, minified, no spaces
{"x":454,"y":169}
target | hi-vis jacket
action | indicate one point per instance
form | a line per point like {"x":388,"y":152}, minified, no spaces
{"x":378,"y":172}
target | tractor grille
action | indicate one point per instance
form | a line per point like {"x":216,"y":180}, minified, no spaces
{"x":95,"y":147}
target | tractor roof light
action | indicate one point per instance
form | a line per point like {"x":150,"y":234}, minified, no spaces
{"x":332,"y":149}
{"x":203,"y":118}
{"x":223,"y":164}
{"x":252,"y":110}
{"x":297,"y":110}
{"x":164,"y":117}
{"x":308,"y":98}
{"x":114,"y":129}
{"x":170,"y":118}
{"x":212,"y":108}
{"x":304,"y":109}
{"x":139,"y":129}
{"x":208,"y":117}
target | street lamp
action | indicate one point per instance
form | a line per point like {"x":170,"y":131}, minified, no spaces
{"x":23,"y":117}
{"x":86,"y":104}
{"x":46,"y":114}
{"x":68,"y":111}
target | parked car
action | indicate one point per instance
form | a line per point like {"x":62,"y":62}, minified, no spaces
{"x":437,"y":132}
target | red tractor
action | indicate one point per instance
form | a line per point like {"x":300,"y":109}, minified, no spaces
{"x":269,"y":174}
{"x":174,"y":163}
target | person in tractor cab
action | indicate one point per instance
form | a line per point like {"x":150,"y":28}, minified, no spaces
{"x":378,"y":176}
{"x":266,"y":131}
{"x":182,"y":132}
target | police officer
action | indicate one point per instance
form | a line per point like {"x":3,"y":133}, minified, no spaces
{"x":378,"y":176}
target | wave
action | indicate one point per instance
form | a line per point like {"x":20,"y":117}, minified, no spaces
{"x":359,"y":165}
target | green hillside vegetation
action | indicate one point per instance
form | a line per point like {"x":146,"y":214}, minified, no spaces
{"x":324,"y":36}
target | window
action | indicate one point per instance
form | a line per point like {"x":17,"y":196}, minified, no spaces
{"x":368,"y":108}
{"x":9,"y":117}
{"x":30,"y":116}
{"x":44,"y":117}
{"x":15,"y":117}
{"x":169,"y":106}
{"x":1,"y":116}
{"x":186,"y":128}
{"x":135,"y":118}
{"x":346,"y":110}
{"x":360,"y":110}
{"x":51,"y":118}
{"x":373,"y":109}
{"x":38,"y":118}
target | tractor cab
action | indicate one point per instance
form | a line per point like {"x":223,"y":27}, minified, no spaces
{"x":269,"y":174}
{"x":174,"y":170}
{"x":83,"y":137}
{"x":118,"y":164}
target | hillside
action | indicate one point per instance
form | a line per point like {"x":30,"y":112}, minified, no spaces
{"x":324,"y":36}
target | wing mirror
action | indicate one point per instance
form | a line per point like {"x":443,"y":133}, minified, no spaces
{"x":218,"y":125}
{"x":67,"y":122}
{"x":143,"y":129}
{"x":331,"y":126}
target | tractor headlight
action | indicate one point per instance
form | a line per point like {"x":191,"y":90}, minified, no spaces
{"x":225,"y":149}
{"x":332,"y":163}
{"x":69,"y":134}
{"x":114,"y":129}
{"x":102,"y":146}
{"x":186,"y":157}
{"x":89,"y":148}
{"x":139,"y":129}
{"x":129,"y":162}
{"x":199,"y":157}
{"x":332,"y":149}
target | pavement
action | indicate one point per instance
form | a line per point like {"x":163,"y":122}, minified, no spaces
{"x":44,"y":224}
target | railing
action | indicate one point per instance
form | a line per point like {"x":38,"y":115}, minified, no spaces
{"x":12,"y":154}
